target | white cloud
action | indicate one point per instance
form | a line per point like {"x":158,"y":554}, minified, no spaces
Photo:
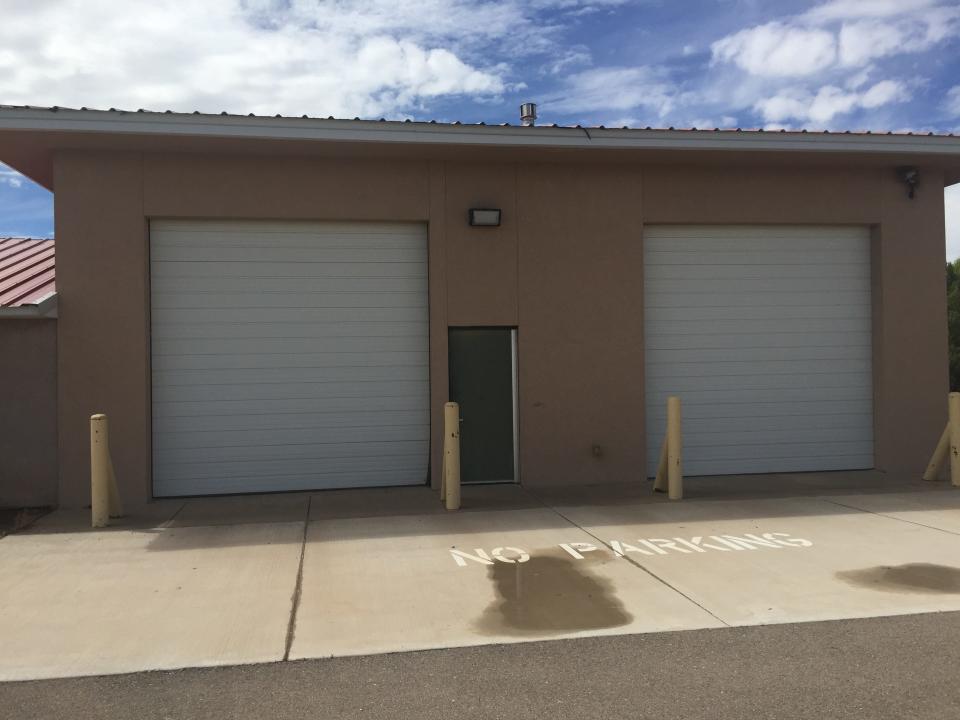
{"x":342,"y":58}
{"x":951,"y":201}
{"x":884,"y":92}
{"x":616,"y":89}
{"x":10,"y":177}
{"x":829,"y":101}
{"x":861,"y":42}
{"x":952,"y":101}
{"x":777,"y":50}
{"x":839,"y":34}
{"x":854,"y":9}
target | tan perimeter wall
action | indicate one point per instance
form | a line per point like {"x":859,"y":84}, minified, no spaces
{"x":566,"y":268}
{"x":28,"y":413}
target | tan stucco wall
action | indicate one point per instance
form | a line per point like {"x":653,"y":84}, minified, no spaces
{"x":28,"y":413}
{"x":565,"y":267}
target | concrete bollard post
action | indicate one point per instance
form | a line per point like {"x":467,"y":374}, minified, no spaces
{"x":939,"y":455}
{"x":99,"y":472}
{"x":675,"y":449}
{"x":953,"y":403}
{"x":450,"y":486}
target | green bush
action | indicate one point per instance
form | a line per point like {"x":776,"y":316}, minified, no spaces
{"x":953,"y":321}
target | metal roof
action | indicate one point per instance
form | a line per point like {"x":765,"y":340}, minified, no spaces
{"x":458,"y":123}
{"x":88,"y":121}
{"x":27,"y":271}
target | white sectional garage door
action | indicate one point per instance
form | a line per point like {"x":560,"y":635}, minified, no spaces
{"x":288,"y":356}
{"x":764,"y":333}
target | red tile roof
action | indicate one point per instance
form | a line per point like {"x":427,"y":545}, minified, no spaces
{"x":27,"y":270}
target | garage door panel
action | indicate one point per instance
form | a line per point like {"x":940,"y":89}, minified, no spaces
{"x":293,"y":483}
{"x":729,"y":452}
{"x":178,"y":285}
{"x":775,"y":442}
{"x":287,"y":269}
{"x":784,"y":395}
{"x":284,"y":376}
{"x":764,"y":326}
{"x":286,"y":329}
{"x":278,"y":437}
{"x":289,"y":345}
{"x":389,"y":358}
{"x":772,"y":285}
{"x":665,"y":315}
{"x":682,"y":355}
{"x":749,"y":341}
{"x":280,"y":254}
{"x":739,"y":383}
{"x":735,"y":298}
{"x":810,"y":271}
{"x":298,"y":315}
{"x":805,"y":462}
{"x":286,"y":466}
{"x":282,"y":406}
{"x":281,"y":421}
{"x":765,"y":334}
{"x":747,"y":256}
{"x":275,"y":391}
{"x":288,"y":356}
{"x":776,"y":423}
{"x":281,"y":300}
{"x":819,"y":408}
{"x":763,"y":367}
{"x":214,"y":456}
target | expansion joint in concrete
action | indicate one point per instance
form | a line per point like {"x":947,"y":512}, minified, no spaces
{"x":630,"y":560}
{"x":298,"y":587}
{"x":888,"y":517}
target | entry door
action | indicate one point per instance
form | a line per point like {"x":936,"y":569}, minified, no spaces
{"x":288,"y":355}
{"x":765,"y":334}
{"x":483,"y":382}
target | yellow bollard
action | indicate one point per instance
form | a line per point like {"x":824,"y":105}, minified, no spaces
{"x":939,"y":455}
{"x":104,"y":495}
{"x":953,"y":402}
{"x":674,"y":450}
{"x":99,"y":472}
{"x":450,"y":484}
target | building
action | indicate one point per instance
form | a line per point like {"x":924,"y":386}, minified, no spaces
{"x":271,"y":303}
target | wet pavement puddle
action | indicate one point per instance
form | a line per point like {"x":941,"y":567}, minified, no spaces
{"x":550,"y":594}
{"x":924,"y":578}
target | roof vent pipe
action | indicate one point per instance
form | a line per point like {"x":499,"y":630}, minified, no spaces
{"x":528,"y":114}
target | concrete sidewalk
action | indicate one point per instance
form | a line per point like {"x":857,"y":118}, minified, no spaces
{"x":254,"y":579}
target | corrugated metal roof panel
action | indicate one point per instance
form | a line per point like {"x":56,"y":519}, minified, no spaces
{"x":532,"y":128}
{"x":27,"y":270}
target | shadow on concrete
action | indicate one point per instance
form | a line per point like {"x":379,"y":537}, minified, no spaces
{"x":382,"y":513}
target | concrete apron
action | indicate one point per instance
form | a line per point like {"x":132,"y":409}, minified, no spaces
{"x":227,"y":581}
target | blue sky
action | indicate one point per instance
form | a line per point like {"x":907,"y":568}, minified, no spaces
{"x":837,"y":64}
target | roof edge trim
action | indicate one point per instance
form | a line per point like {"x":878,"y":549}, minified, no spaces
{"x":44,"y":308}
{"x":13,"y":119}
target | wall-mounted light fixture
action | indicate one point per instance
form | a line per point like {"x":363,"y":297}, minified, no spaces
{"x":485,"y":217}
{"x":911,"y":178}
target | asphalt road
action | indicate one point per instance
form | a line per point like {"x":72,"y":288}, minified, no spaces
{"x":900,"y":667}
